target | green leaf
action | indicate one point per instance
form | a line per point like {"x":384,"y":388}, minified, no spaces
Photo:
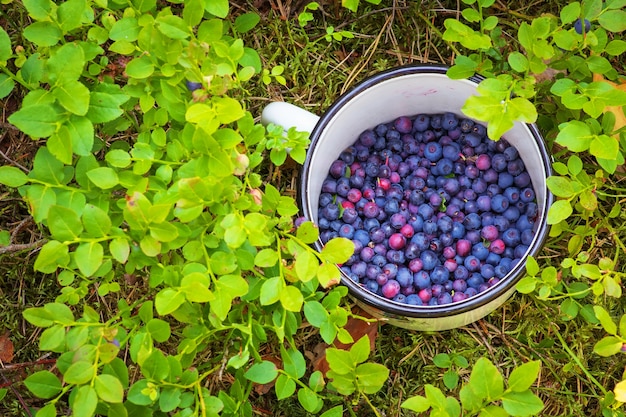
{"x":69,"y":14}
{"x":173,"y":26}
{"x":43,"y":34}
{"x":371,"y":377}
{"x":262,"y":372}
{"x":159,"y":330}
{"x":524,"y":376}
{"x":218,"y":8}
{"x":416,"y":403}
{"x":168,"y":300}
{"x":271,"y":290}
{"x":306,"y":266}
{"x":5,"y":46}
{"x":337,"y":250}
{"x":6,"y":85}
{"x":193,"y":12}
{"x":518,"y":61}
{"x":604,"y":146}
{"x":103,"y":177}
{"x":81,"y":133}
{"x":60,"y":145}
{"x":44,"y":384}
{"x":574,"y":135}
{"x":120,"y":249}
{"x":570,"y":12}
{"x":169,"y":399}
{"x":105,"y":102}
{"x":73,"y":96}
{"x":88,"y":257}
{"x":442,"y":360}
{"x":291,"y":298}
{"x":85,"y":401}
{"x":66,"y":63}
{"x":315,"y":313}
{"x":605,"y":320}
{"x":340,"y":361}
{"x":560,"y":186}
{"x":308,"y":232}
{"x":64,"y":223}
{"x":109,"y":389}
{"x":450,"y":379}
{"x":125,"y":29}
{"x":48,"y":410}
{"x":309,"y":400}
{"x":463,"y":67}
{"x":79,"y":372}
{"x":615,"y":47}
{"x":328,"y":274}
{"x":163,"y":232}
{"x":293,"y":362}
{"x":522,"y":403}
{"x":608,"y":346}
{"x":52,"y":255}
{"x":140,"y":68}
{"x":118,"y":158}
{"x":52,"y":339}
{"x":38,"y":121}
{"x":196,"y":287}
{"x":60,"y":313}
{"x":559,"y":211}
{"x":12,"y":177}
{"x":155,"y":366}
{"x":96,"y":221}
{"x":38,"y":9}
{"x":521,"y":109}
{"x":486,"y":380}
{"x":38,"y":316}
{"x":493,"y":411}
{"x":336,"y":411}
{"x":246,"y":22}
{"x":613,"y":20}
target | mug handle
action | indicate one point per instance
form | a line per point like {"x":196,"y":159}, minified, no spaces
{"x":288,"y":115}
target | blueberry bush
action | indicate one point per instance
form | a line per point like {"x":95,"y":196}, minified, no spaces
{"x":150,"y":167}
{"x":181,"y":205}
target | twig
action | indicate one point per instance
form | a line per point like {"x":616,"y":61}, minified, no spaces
{"x":19,"y":227}
{"x":17,"y":394}
{"x":20,"y":247}
{"x":23,"y":168}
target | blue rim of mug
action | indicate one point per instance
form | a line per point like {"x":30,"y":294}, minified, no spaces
{"x":406,"y":310}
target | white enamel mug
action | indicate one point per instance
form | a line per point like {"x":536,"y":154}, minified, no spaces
{"x":405,"y":91}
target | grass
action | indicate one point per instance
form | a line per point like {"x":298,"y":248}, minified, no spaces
{"x":395,"y":33}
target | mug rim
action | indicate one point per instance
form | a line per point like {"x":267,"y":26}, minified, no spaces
{"x":390,"y":306}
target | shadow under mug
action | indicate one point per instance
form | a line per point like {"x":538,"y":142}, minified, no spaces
{"x":381,"y":98}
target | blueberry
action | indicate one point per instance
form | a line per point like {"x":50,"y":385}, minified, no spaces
{"x":338,"y":169}
{"x":403,"y":124}
{"x":413,"y":299}
{"x":372,"y":286}
{"x":472,"y":263}
{"x":439,"y":275}
{"x":391,"y":289}
{"x":347,"y":231}
{"x":578,"y":26}
{"x":449,"y":121}
{"x":429,"y":260}
{"x":367,"y":138}
{"x":193,"y":86}
{"x":433,"y":151}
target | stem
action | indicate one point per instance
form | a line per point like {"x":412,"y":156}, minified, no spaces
{"x":438,"y":32}
{"x":577,"y":360}
{"x":367,"y":400}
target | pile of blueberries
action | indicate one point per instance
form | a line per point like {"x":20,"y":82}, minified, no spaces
{"x":436,"y":210}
